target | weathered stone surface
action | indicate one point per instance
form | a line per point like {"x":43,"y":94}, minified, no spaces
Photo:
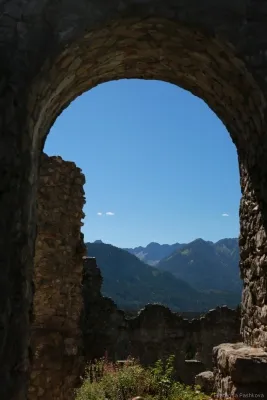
{"x":155,"y":333}
{"x":240,"y":369}
{"x":56,"y":331}
{"x":189,"y":370}
{"x":205,"y":380}
{"x":52,"y":51}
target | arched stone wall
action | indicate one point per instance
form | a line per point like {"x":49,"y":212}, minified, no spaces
{"x":52,"y":51}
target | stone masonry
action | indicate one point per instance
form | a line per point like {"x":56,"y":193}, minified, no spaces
{"x":53,"y":51}
{"x":56,"y":332}
{"x":248,"y":371}
{"x":155,"y":333}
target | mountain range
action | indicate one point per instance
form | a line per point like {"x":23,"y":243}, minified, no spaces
{"x":154,"y":252}
{"x":192,"y":277}
{"x":203,"y":264}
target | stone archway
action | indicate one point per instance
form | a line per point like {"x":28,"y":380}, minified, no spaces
{"x":51,"y":52}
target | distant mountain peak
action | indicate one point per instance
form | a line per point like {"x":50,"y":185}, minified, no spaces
{"x":154,"y":252}
{"x":152,"y":244}
{"x":200,"y":240}
{"x":206,"y":265}
{"x":132,"y":284}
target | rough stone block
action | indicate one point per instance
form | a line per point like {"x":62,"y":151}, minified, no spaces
{"x":240,"y":370}
{"x":205,"y":380}
{"x":190,"y":369}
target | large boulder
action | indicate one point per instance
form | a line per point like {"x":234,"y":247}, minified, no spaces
{"x":240,"y":370}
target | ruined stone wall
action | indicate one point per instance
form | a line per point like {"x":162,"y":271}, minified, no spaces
{"x":253,"y":262}
{"x":155,"y":333}
{"x":56,"y":334}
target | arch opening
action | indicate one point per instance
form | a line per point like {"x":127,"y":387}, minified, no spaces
{"x":126,"y":166}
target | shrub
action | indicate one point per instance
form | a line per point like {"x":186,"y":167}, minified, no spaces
{"x":111,"y":381}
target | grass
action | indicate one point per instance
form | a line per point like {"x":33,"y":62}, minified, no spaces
{"x":111,"y":381}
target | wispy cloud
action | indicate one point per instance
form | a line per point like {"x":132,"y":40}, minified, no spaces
{"x":101,"y":214}
{"x":225,"y":215}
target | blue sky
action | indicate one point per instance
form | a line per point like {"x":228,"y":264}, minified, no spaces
{"x":156,"y":158}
